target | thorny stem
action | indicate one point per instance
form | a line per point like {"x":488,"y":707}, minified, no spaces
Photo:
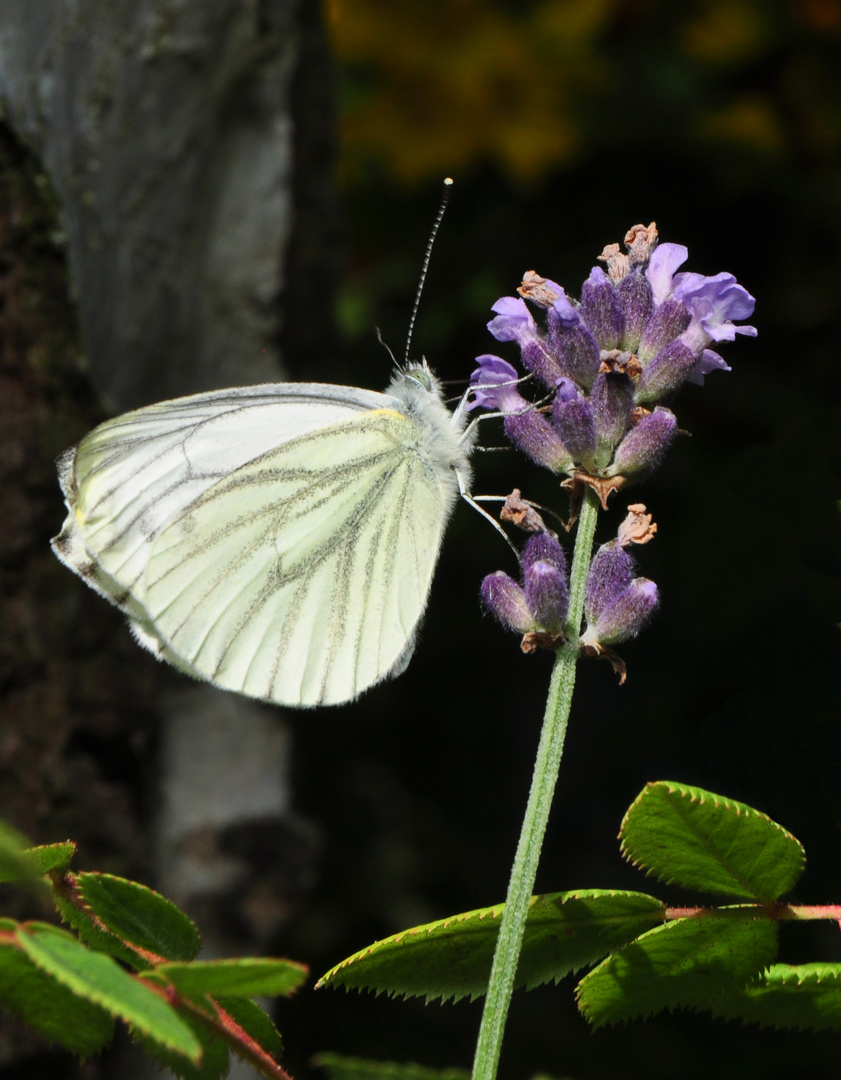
{"x":546,"y":766}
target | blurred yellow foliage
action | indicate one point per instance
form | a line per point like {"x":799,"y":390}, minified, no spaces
{"x":437,"y":86}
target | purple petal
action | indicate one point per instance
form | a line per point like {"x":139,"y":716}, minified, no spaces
{"x":567,"y":312}
{"x":708,"y":361}
{"x":494,"y":385}
{"x":513,"y":320}
{"x":661,"y":267}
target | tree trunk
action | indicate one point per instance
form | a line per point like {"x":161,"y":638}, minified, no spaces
{"x":168,"y":166}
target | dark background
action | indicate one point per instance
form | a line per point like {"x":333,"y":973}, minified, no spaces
{"x":564,"y":123}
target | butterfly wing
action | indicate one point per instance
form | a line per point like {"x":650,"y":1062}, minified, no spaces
{"x":131,"y":476}
{"x":300,"y":578}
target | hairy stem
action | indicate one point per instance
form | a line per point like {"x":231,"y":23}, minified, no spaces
{"x":546,"y":766}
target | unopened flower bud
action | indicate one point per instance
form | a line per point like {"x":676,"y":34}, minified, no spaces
{"x":626,"y":616}
{"x":547,"y":595}
{"x":671,"y":367}
{"x":611,"y":572}
{"x":616,"y":604}
{"x":613,"y":402}
{"x":532,"y":433}
{"x":636,"y":301}
{"x":543,"y":547}
{"x":667,"y":322}
{"x":601,"y":310}
{"x":573,"y":419}
{"x":572,"y":343}
{"x":644,"y":445}
{"x":506,"y":600}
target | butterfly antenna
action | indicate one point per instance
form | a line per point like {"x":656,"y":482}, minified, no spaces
{"x":445,"y":198}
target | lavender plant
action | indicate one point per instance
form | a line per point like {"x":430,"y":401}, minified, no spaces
{"x":603,"y":365}
{"x":639,"y":331}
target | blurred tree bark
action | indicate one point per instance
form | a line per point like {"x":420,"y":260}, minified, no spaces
{"x":166,"y":201}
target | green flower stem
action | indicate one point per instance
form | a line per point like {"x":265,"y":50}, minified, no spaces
{"x":546,"y":766}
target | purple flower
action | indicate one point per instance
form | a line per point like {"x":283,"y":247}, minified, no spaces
{"x":514,"y":322}
{"x":616,"y":604}
{"x":661,"y":268}
{"x":542,"y":601}
{"x":574,"y":421}
{"x":494,"y":384}
{"x":713,"y":303}
{"x":494,"y":387}
{"x":572,"y":343}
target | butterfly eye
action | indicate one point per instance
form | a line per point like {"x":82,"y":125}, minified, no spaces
{"x":420,"y":375}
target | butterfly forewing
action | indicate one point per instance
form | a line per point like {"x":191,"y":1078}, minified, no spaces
{"x":132,"y":475}
{"x":297,"y":579}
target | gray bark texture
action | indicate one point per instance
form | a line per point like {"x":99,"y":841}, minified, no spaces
{"x":166,"y":131}
{"x":166,"y":166}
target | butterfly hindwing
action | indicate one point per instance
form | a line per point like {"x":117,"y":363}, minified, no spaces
{"x":297,"y":579}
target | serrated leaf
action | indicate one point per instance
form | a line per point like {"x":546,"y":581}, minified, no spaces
{"x":215,"y":1059}
{"x":451,"y":958}
{"x":22,"y":863}
{"x":255,"y":1021}
{"x":49,"y":857}
{"x":51,"y":1009}
{"x":262,"y":977}
{"x":98,"y":978}
{"x":140,"y":916}
{"x":339,"y":1067}
{"x":687,"y":836}
{"x":688,"y":963}
{"x":95,"y":937}
{"x":786,"y":996}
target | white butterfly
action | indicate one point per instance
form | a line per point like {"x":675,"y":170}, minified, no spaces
{"x":274,"y":540}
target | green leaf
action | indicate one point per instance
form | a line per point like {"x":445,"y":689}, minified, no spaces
{"x":51,"y":1009}
{"x":339,"y":1067}
{"x":140,"y":916}
{"x":49,"y":857}
{"x":98,"y":978}
{"x":215,"y":1059}
{"x":687,"y":963}
{"x":687,"y":836}
{"x":19,"y":862}
{"x":13,"y":865}
{"x":254,"y":1021}
{"x":786,"y":996}
{"x":451,"y":958}
{"x":235,"y":978}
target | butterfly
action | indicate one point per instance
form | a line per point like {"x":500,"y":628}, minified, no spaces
{"x":279,"y":540}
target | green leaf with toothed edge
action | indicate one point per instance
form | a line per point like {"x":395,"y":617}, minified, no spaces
{"x":53,"y":1010}
{"x":98,"y":978}
{"x":254,"y":1021}
{"x":139,"y":916}
{"x":789,"y":996}
{"x":451,"y":958}
{"x":687,"y":836}
{"x":248,"y":977}
{"x":688,"y":963}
